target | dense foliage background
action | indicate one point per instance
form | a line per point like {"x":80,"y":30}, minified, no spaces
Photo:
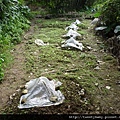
{"x":14,"y":18}
{"x":110,"y":14}
{"x":62,"y":6}
{"x":13,"y":21}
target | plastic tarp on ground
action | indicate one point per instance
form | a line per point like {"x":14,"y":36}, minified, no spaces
{"x":39,"y":42}
{"x":41,"y":93}
{"x":77,"y":22}
{"x":72,"y":26}
{"x":73,"y":43}
{"x":72,"y":33}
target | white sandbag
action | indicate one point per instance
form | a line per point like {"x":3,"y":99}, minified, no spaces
{"x":41,"y":93}
{"x":73,"y":43}
{"x":77,"y":22}
{"x":72,"y":26}
{"x":72,"y":33}
{"x":39,"y":42}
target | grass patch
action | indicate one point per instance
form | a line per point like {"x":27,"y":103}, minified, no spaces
{"x":75,"y":69}
{"x":55,"y":63}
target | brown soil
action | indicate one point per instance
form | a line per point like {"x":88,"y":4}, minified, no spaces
{"x":100,"y":102}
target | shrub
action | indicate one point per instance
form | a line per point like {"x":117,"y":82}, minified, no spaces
{"x":13,"y":21}
{"x":61,"y":6}
{"x":110,"y":14}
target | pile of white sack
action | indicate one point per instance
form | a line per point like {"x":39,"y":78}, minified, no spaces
{"x":71,"y":36}
{"x":41,"y":92}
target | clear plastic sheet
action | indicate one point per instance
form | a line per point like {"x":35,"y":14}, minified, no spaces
{"x":41,"y":93}
{"x":73,"y":43}
{"x":72,"y":33}
{"x":72,"y":26}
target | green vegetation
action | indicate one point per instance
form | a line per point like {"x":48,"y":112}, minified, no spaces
{"x":75,"y":69}
{"x":13,"y":21}
{"x":110,"y":14}
{"x":92,"y":69}
{"x":62,"y":6}
{"x":14,"y":13}
{"x":55,"y":63}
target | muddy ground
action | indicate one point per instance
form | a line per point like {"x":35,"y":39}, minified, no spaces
{"x":94,"y":70}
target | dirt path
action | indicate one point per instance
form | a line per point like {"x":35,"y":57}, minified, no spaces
{"x":14,"y":76}
{"x":102,"y":91}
